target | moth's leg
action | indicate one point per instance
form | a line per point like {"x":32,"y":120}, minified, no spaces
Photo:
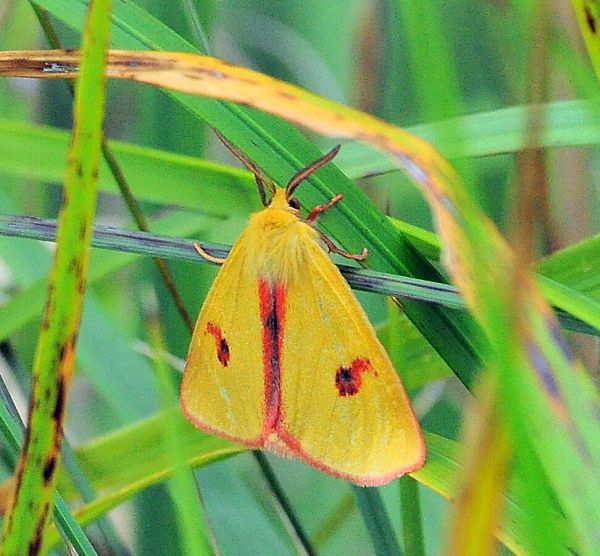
{"x":333,"y":248}
{"x":202,"y":252}
{"x":320,"y":209}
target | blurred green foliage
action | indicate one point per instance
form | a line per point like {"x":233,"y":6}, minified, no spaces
{"x":408,"y":62}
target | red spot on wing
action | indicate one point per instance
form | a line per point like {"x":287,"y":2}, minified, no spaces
{"x":272,"y":316}
{"x":348,"y":380}
{"x":221,"y":343}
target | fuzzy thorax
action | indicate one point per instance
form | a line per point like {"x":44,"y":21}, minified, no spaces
{"x":277,"y":241}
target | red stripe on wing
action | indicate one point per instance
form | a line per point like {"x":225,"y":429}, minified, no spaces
{"x":272,"y":315}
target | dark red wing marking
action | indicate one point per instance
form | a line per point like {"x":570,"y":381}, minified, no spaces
{"x":348,"y":380}
{"x":221,"y":342}
{"x":272,"y":316}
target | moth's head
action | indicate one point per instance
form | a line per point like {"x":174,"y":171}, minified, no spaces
{"x":280,"y":201}
{"x":284,"y":197}
{"x":279,"y":197}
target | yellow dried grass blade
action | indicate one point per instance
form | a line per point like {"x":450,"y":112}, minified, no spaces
{"x":479,"y":500}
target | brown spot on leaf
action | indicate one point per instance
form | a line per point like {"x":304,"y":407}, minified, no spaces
{"x":590,"y":19}
{"x":35,"y":545}
{"x":75,"y":266}
{"x":62,"y":352}
{"x":59,"y":407}
{"x":49,"y":468}
{"x":46,"y":321}
{"x":286,"y":95}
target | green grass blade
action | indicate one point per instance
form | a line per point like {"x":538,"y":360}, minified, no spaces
{"x":575,"y":266}
{"x":567,"y":123}
{"x":11,"y":430}
{"x":191,"y":182}
{"x":27,"y":518}
{"x":444,"y":468}
{"x":412,"y":525}
{"x":377,"y":521}
{"x":292,"y":523}
{"x":577,"y":304}
{"x":70,"y":529}
{"x":186,"y":495}
{"x":134,"y":452}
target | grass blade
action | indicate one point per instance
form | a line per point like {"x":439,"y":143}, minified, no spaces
{"x":26,"y":521}
{"x":377,"y":521}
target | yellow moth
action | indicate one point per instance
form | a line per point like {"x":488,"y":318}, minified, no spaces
{"x":283,"y":357}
